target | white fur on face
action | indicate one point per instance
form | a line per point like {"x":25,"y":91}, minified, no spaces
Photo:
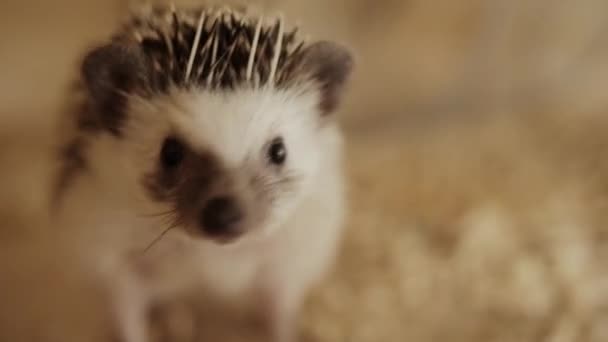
{"x":237,"y":127}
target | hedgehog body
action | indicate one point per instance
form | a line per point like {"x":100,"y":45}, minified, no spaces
{"x":222,"y":123}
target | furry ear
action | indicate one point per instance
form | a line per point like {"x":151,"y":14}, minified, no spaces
{"x":330,"y":65}
{"x":110,"y":73}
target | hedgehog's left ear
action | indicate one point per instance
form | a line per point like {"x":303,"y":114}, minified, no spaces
{"x":110,"y":74}
{"x":330,"y":65}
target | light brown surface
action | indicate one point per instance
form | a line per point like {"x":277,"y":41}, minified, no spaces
{"x":484,"y":232}
{"x":476,"y":161}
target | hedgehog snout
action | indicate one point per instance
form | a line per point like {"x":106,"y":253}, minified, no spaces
{"x":222,"y":218}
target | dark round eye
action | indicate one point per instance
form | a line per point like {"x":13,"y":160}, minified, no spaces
{"x":277,"y":153}
{"x":172,"y":153}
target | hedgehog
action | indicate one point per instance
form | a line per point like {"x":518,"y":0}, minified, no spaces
{"x":205,"y":151}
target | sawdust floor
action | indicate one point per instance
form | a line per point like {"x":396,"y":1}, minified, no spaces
{"x":489,"y":231}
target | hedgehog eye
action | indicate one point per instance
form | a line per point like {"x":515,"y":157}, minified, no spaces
{"x":172,"y":153}
{"x":277,"y":152}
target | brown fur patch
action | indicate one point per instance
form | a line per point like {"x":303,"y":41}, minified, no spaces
{"x":185,"y":187}
{"x":72,"y":161}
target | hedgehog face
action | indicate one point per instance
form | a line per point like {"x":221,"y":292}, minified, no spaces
{"x":228,"y":163}
{"x":224,"y":161}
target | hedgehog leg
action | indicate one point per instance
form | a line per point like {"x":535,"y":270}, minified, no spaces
{"x":276,"y":311}
{"x":129,"y":306}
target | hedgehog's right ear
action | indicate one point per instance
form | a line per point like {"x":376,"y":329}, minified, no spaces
{"x":330,"y":65}
{"x":110,"y":74}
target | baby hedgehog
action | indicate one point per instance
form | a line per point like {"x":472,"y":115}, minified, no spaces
{"x":206,"y":153}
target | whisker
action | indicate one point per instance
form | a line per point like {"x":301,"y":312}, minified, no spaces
{"x":165,"y":213}
{"x":285,"y":180}
{"x":160,"y":237}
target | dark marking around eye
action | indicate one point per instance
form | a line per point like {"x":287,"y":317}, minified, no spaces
{"x":182,"y":174}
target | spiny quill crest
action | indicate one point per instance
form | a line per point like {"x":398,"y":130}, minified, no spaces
{"x":214,"y":48}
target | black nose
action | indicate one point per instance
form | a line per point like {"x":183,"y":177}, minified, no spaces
{"x":221,"y":217}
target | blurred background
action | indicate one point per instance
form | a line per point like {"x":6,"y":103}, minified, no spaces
{"x":476,"y":156}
